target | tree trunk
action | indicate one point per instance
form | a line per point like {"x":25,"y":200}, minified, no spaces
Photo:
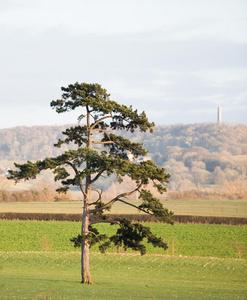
{"x":85,"y":272}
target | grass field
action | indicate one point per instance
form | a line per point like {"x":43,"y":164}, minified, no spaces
{"x":224,"y":208}
{"x":57,"y":276}
{"x":37,"y":261}
{"x":194,"y":240}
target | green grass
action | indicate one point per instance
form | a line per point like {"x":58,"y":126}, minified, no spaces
{"x":37,"y":261}
{"x":57,"y":276}
{"x":222,"y":241}
{"x":224,"y":208}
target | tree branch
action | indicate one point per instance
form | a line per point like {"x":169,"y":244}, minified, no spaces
{"x":100,"y":193}
{"x":98,"y":239}
{"x":100,"y":120}
{"x":107,"y":142}
{"x":104,"y":221}
{"x":109,"y":117}
{"x":125,"y":202}
{"x":106,"y":133}
{"x":97,"y":176}
{"x":115,"y":199}
{"x":77,"y":173}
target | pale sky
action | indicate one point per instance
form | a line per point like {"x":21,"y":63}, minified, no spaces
{"x":178,"y":60}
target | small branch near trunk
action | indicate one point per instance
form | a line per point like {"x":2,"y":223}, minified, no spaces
{"x":77,"y":173}
{"x":125,"y":202}
{"x":105,"y":221}
{"x":106,"y":133}
{"x":100,"y":120}
{"x":114,"y":200}
{"x":98,"y":240}
{"x":100,"y":194}
{"x":97,"y":177}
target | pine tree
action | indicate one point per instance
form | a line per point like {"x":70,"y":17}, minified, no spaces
{"x":100,"y":152}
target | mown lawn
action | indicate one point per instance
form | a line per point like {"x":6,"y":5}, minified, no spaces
{"x":27,"y":275}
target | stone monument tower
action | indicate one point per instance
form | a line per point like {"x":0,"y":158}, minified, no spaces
{"x":219,"y":114}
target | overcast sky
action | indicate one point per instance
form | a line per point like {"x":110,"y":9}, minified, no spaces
{"x":176,"y":59}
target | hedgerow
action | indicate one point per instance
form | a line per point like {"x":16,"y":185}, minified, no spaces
{"x":132,"y":217}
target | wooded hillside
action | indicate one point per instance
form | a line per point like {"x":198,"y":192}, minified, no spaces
{"x":195,"y":155}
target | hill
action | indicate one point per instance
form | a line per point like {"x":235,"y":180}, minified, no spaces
{"x":196,"y":155}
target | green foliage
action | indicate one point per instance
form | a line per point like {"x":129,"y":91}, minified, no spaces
{"x":128,"y":236}
{"x":131,"y":235}
{"x":27,"y":171}
{"x":94,"y":96}
{"x":152,"y":204}
{"x":123,"y":144}
{"x":75,"y":134}
{"x":93,"y":237}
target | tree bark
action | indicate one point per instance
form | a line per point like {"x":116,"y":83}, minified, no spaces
{"x":85,"y":272}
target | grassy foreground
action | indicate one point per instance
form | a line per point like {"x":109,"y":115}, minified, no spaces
{"x":57,"y":276}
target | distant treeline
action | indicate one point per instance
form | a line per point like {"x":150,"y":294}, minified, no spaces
{"x":228,"y":190}
{"x":132,"y":217}
{"x":44,"y":195}
{"x":195,"y":155}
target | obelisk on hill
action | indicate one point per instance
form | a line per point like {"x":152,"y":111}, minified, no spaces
{"x":219,"y":114}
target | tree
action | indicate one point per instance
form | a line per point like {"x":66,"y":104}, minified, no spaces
{"x":107,"y":155}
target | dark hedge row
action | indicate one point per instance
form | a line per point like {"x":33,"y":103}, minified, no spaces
{"x":210,"y":220}
{"x":134,"y":218}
